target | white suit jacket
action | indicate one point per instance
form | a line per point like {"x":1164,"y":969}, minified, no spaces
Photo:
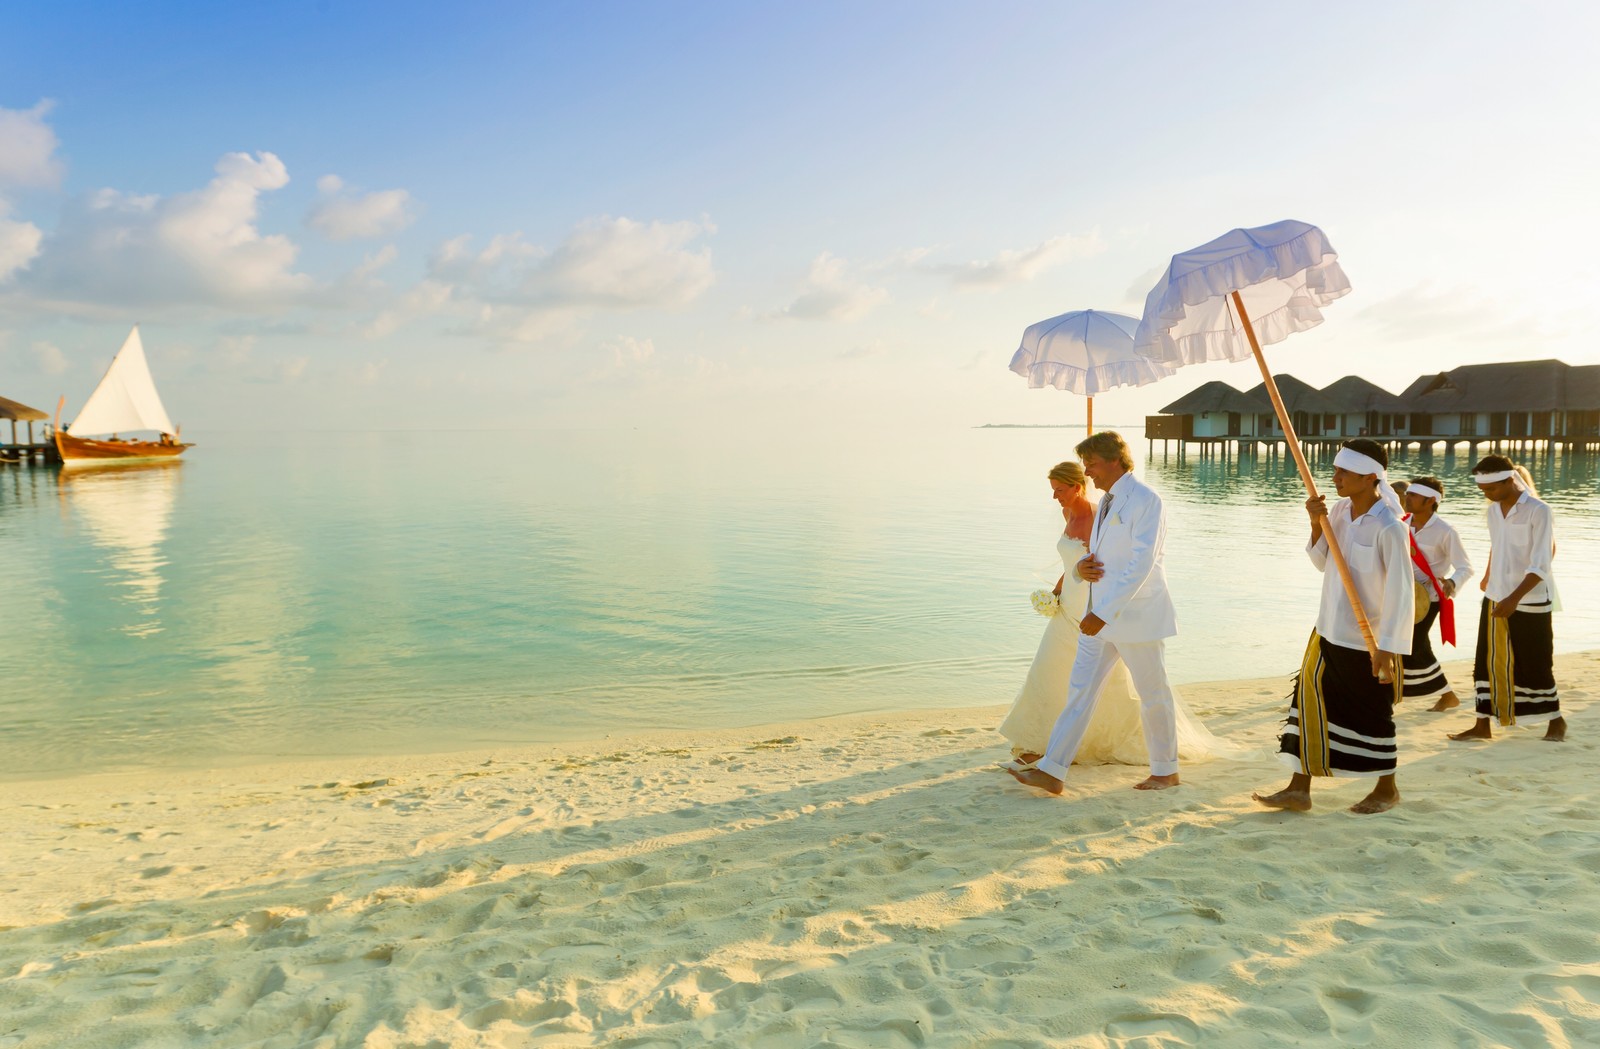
{"x":1132,"y":596}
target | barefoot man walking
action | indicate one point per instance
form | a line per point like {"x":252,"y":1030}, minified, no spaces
{"x":1514,"y":667}
{"x":1341,"y":722}
{"x":1441,"y":568}
{"x":1129,"y":618}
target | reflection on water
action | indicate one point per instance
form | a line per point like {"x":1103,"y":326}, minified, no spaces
{"x":392,"y":592}
{"x":126,"y":511}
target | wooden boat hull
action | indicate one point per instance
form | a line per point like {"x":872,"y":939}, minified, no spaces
{"x":81,"y":451}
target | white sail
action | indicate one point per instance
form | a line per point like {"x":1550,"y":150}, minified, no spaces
{"x":126,"y":398}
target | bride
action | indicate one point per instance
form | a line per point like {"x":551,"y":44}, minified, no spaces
{"x":1116,"y":732}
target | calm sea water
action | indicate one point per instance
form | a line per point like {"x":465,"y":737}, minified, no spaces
{"x":295,"y":595}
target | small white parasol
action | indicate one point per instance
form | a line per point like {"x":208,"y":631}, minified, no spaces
{"x":1223,"y":300}
{"x":1085,"y":352}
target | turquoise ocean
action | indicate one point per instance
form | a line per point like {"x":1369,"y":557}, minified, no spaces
{"x":319,"y":594}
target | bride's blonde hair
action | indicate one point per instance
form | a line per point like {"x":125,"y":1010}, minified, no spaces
{"x":1068,"y":473}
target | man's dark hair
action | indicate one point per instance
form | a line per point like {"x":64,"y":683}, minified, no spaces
{"x":1432,"y":482}
{"x":1371,"y":449}
{"x":1493,"y":464}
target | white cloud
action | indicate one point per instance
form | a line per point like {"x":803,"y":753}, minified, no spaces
{"x":625,"y":350}
{"x":19,"y":244}
{"x":829,"y":294}
{"x":622,"y":264}
{"x":515,"y":292}
{"x":427,"y":298}
{"x":497,"y":266}
{"x":50,"y":359}
{"x":27,"y":148}
{"x":200,"y":247}
{"x":1426,"y":311}
{"x":1017,"y":266}
{"x":345,"y":215}
{"x":624,"y":359}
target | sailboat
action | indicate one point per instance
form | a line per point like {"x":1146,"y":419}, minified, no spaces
{"x":126,"y":400}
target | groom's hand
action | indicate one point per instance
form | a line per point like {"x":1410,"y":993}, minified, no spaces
{"x":1091,"y":624}
{"x":1091,"y":568}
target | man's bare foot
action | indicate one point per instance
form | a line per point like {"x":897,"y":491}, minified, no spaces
{"x":1448,"y":701}
{"x":1479,"y":730}
{"x":1557,"y":732}
{"x":1028,"y":757}
{"x":1380,"y":800}
{"x":1034,"y":778}
{"x":1157,"y":782}
{"x":1292,"y":800}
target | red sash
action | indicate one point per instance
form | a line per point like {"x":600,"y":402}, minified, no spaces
{"x":1447,"y":607}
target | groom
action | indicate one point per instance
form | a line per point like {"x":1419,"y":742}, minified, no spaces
{"x":1129,"y":617}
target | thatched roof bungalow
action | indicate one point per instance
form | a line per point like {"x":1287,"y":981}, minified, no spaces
{"x":1313,"y":413}
{"x":1366,"y":409}
{"x":1515,"y":400}
{"x":1213,"y":410}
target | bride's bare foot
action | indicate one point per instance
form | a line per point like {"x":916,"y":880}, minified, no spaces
{"x":1290,"y":800}
{"x":1034,"y":778}
{"x":1479,"y":730}
{"x":1157,"y":782}
{"x":1448,"y":701}
{"x":1557,"y":732}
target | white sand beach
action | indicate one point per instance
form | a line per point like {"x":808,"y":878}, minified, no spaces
{"x":862,"y":881}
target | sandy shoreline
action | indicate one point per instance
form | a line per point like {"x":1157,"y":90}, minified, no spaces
{"x":860,"y":881}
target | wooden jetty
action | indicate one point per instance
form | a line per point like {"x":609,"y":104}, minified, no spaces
{"x":42,"y":450}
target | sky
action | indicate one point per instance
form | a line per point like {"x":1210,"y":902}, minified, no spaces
{"x":401,"y":215}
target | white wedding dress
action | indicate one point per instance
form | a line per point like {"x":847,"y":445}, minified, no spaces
{"x":1116,"y":731}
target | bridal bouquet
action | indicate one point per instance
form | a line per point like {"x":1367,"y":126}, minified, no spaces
{"x":1046,"y":603}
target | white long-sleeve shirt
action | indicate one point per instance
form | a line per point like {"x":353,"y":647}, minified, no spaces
{"x":1377,"y":548}
{"x":1440,"y":543}
{"x":1520,"y":542}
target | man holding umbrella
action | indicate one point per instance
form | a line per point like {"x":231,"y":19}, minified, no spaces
{"x":1341,"y":721}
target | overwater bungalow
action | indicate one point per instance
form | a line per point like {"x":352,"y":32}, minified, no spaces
{"x":1367,"y":409}
{"x":1518,"y":402}
{"x":1509,"y":404}
{"x":1313,"y":413}
{"x":1213,"y":411}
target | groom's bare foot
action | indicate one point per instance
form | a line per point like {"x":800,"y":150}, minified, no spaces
{"x":1290,"y":800}
{"x":1034,"y":778}
{"x":1448,"y":701}
{"x":1028,"y":757}
{"x":1157,"y":782}
{"x":1479,"y":730}
{"x":1557,"y":732}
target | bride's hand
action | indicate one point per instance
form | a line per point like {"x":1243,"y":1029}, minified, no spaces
{"x":1090,"y":568}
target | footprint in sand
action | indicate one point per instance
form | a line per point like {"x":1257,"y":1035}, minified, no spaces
{"x":1160,"y":1028}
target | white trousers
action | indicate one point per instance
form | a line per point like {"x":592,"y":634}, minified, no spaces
{"x":1146,"y":662}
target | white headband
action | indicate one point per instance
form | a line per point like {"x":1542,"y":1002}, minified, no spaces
{"x":1361,"y":463}
{"x":1500,"y":475}
{"x":1422,"y":489}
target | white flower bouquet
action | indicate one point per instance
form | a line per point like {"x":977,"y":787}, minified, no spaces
{"x":1046,"y":603}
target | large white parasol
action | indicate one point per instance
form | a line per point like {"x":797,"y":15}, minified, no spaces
{"x":1085,"y":352}
{"x":1224,"y":299}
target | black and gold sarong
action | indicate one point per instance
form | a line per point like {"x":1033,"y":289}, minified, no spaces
{"x":1514,"y":670}
{"x":1341,"y":718}
{"x":1424,"y":677}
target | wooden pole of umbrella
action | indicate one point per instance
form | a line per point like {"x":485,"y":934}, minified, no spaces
{"x":1091,"y":415}
{"x":1305,"y":475}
